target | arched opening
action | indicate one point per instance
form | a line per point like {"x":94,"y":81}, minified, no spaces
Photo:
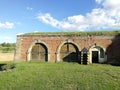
{"x":69,"y":53}
{"x":39,"y":52}
{"x":97,"y":54}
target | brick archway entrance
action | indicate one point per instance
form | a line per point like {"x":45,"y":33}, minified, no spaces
{"x":39,"y":52}
{"x":68,"y":51}
{"x":97,"y":54}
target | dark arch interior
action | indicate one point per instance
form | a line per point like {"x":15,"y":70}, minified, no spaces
{"x":39,"y":52}
{"x":69,"y":53}
{"x":95,"y":57}
{"x":85,"y":58}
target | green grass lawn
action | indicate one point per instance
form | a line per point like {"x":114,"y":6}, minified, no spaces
{"x":60,"y":76}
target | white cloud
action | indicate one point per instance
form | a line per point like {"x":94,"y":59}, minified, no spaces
{"x":99,"y":1}
{"x":46,"y":18}
{"x":19,"y":33}
{"x":111,"y":4}
{"x":99,"y":18}
{"x":71,"y":23}
{"x":7,"y":25}
{"x":29,"y":8}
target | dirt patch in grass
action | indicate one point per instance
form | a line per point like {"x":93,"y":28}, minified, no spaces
{"x":6,"y":56}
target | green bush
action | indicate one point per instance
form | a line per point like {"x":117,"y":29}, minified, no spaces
{"x":7,"y":49}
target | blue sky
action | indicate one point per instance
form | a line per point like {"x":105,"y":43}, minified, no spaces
{"x":23,"y":16}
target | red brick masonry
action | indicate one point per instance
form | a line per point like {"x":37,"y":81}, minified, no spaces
{"x":109,"y":43}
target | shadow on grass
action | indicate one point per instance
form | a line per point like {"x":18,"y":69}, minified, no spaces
{"x":115,"y":64}
{"x":1,"y":65}
{"x":6,"y":67}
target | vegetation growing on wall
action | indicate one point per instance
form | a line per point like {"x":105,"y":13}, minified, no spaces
{"x":7,"y":47}
{"x":116,"y":32}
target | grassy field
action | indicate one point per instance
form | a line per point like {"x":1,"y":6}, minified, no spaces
{"x":60,"y":76}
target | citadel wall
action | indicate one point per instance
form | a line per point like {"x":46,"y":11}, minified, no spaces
{"x":55,"y":48}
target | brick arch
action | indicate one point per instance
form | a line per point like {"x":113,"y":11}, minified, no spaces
{"x":60,"y":46}
{"x":101,"y":53}
{"x":97,"y":46}
{"x":31,"y":46}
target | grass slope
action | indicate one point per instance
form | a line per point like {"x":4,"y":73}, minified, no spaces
{"x":60,"y":76}
{"x":115,"y":32}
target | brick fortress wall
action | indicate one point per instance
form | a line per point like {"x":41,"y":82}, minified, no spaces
{"x":111,"y":45}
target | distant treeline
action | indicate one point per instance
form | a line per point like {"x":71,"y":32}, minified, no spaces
{"x":7,"y":47}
